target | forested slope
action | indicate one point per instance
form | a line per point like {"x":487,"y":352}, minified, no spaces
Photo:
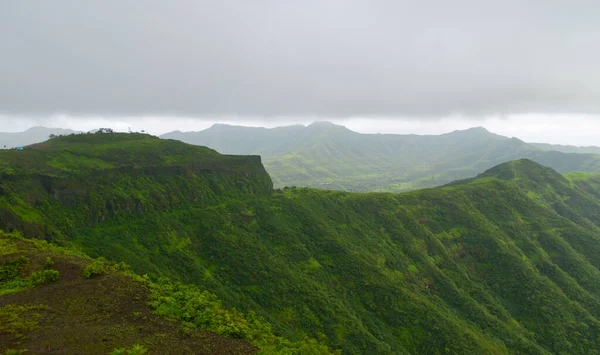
{"x":507,"y":262}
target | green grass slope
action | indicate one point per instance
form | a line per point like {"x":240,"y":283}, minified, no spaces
{"x":75,"y":315}
{"x":58,"y":300}
{"x":508,"y":262}
{"x":325,"y":155}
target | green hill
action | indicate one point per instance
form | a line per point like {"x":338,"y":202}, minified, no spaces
{"x":507,"y":262}
{"x":325,"y":155}
{"x":101,"y":175}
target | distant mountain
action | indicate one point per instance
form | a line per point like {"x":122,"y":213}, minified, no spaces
{"x":331,"y":156}
{"x":567,"y":148}
{"x":30,"y":136}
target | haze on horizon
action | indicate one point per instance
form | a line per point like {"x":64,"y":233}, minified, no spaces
{"x":519,"y":69}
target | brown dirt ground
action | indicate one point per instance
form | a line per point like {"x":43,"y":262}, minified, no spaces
{"x":98,"y":315}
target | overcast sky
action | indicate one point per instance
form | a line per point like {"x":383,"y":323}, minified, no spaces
{"x":377,"y":65}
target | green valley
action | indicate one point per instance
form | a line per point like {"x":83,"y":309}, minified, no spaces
{"x":329,"y":156}
{"x":506,"y":262}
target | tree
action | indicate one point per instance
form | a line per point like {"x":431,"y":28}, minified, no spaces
{"x":104,"y":130}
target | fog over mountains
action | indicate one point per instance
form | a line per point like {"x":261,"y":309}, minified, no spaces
{"x":30,"y":136}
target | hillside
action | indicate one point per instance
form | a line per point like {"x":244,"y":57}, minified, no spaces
{"x":77,"y":315}
{"x":325,"y":155}
{"x":507,"y":262}
{"x":108,"y":174}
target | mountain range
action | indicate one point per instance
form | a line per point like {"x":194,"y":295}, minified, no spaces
{"x":567,"y":148}
{"x":325,"y":155}
{"x":329,"y":156}
{"x":31,"y":136}
{"x":506,"y":262}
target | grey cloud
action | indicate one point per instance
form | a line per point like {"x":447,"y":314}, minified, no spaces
{"x":331,"y":58}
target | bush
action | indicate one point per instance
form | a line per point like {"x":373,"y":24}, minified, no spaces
{"x":96,"y":268}
{"x":122,"y":267}
{"x":204,"y":310}
{"x":11,"y":269}
{"x":44,"y":277}
{"x":49,"y":263}
{"x":137,"y":349}
{"x":15,"y":352}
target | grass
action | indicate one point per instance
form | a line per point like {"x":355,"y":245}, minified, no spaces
{"x":580,"y":176}
{"x":100,"y":314}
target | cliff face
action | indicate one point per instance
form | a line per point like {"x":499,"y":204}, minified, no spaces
{"x":87,"y":181}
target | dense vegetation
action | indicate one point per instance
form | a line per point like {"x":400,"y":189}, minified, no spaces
{"x":508,"y":262}
{"x":325,"y":155}
{"x":78,"y":315}
{"x":72,"y":315}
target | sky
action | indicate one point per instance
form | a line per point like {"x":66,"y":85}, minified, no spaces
{"x":519,"y":68}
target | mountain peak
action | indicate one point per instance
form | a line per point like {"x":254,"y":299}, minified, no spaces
{"x":37,"y":128}
{"x":224,"y":129}
{"x":327,"y":126}
{"x":477,"y":129}
{"x":220,"y":125}
{"x":42,"y":129}
{"x":522,"y":169}
{"x":473,"y":130}
{"x":526,"y":171}
{"x":322,"y":124}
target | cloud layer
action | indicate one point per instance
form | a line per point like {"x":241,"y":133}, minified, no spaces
{"x":333,"y":58}
{"x":579,"y":130}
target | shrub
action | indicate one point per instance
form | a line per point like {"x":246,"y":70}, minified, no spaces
{"x":203,"y":310}
{"x":96,"y":268}
{"x":49,"y":263}
{"x":137,"y":349}
{"x":11,"y":269}
{"x":15,"y":351}
{"x":122,"y":267}
{"x":44,"y":277}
